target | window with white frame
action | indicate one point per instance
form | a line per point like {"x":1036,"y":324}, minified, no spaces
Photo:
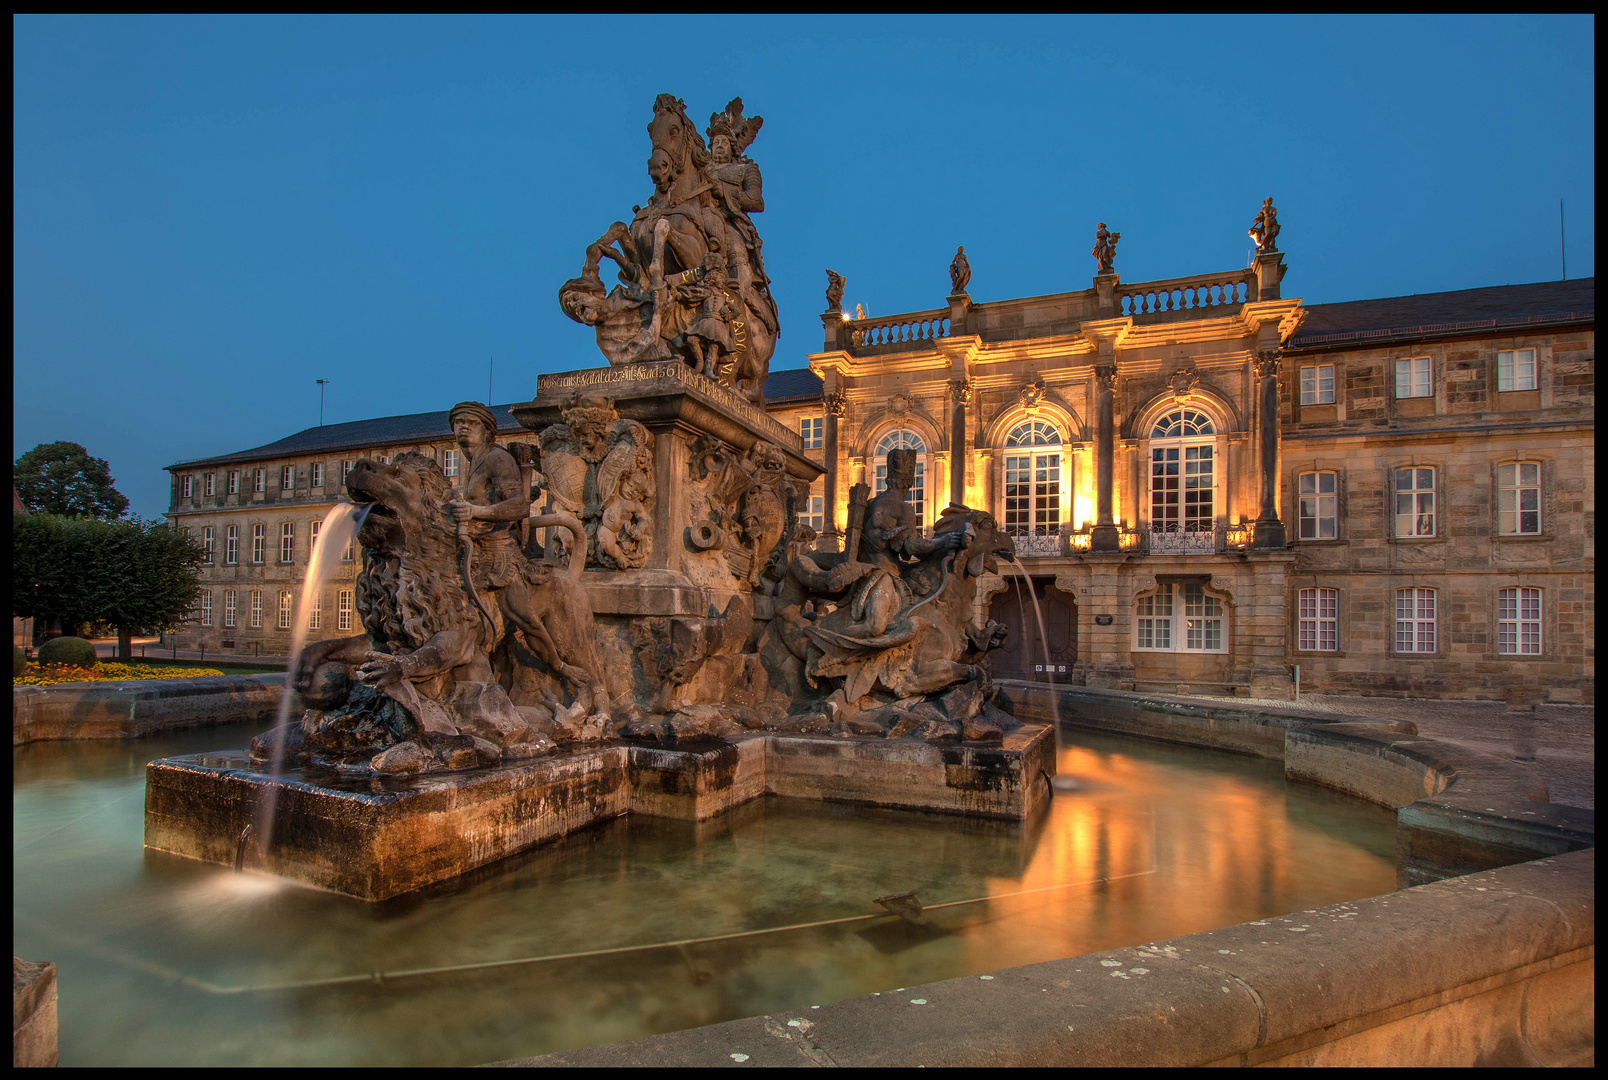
{"x":1415,"y":620}
{"x":318,"y":474}
{"x":231,"y":545}
{"x":187,"y":485}
{"x":287,"y":541}
{"x":449,"y":463}
{"x":1518,"y":498}
{"x":208,"y":541}
{"x":234,"y":481}
{"x":343,"y":609}
{"x":1515,"y":370}
{"x":1033,"y":479}
{"x":1182,"y":475}
{"x":1518,"y":622}
{"x":256,"y":609}
{"x":1317,"y":506}
{"x":210,"y":482}
{"x":813,"y":512}
{"x":259,"y":543}
{"x":1318,"y":620}
{"x":284,"y":611}
{"x":1158,"y":614}
{"x":351,"y":550}
{"x":259,"y":480}
{"x":206,"y":607}
{"x":346,"y":467}
{"x":229,"y":608}
{"x":1317,"y":385}
{"x":315,"y":613}
{"x":810,"y":429}
{"x":1413,"y":379}
{"x":287,"y":478}
{"x":902,"y":439}
{"x":1415,"y":502}
{"x":312,"y":538}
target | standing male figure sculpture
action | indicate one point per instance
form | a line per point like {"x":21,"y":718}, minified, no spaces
{"x":959,"y":272}
{"x":491,"y":503}
{"x":1105,"y":248}
{"x":1264,"y":228}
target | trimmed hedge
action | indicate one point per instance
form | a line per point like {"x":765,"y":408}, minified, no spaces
{"x":67,"y":650}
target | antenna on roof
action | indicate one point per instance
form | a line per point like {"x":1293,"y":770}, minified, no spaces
{"x":1563,"y":252}
{"x":321,"y":384}
{"x":489,"y":372}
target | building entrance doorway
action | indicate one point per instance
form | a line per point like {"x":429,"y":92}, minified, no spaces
{"x":1023,"y":656}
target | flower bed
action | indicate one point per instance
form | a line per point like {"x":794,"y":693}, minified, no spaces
{"x":51,"y":674}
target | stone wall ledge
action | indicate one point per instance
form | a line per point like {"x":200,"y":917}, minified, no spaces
{"x":137,"y":708}
{"x":1494,"y":968}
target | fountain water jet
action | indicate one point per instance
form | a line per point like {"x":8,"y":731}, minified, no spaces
{"x":1058,"y":782}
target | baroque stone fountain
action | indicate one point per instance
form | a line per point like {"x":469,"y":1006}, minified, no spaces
{"x":624,"y":613}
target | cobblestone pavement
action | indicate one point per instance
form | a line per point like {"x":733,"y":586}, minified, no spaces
{"x":1560,"y":738}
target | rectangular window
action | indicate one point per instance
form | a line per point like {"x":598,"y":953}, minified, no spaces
{"x":315,"y":616}
{"x":1518,"y":622}
{"x":813,"y":512}
{"x":1203,"y":620}
{"x":206,"y":608}
{"x":256,"y":609}
{"x":810,"y":429}
{"x":1415,"y":502}
{"x":1518,"y":498}
{"x":343,"y":609}
{"x":346,"y":467}
{"x":231,"y":546}
{"x":287,"y":542}
{"x":1317,"y":511}
{"x":188,"y":486}
{"x":318,"y":474}
{"x":259,"y":543}
{"x":1181,"y":489}
{"x":287,"y":478}
{"x":1412,"y":378}
{"x":449,"y":463}
{"x":1515,"y":370}
{"x":259,"y":480}
{"x":1415,"y":620}
{"x":211,"y":479}
{"x":1317,"y":385}
{"x":284,"y":611}
{"x":1317,"y":627}
{"x":351,"y":550}
{"x":234,"y":481}
{"x":312,"y":539}
{"x":1155,"y":619}
{"x":208,"y":541}
{"x":1033,"y":494}
{"x":229,"y":608}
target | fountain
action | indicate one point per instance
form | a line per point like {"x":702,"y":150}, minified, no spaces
{"x":624,"y":613}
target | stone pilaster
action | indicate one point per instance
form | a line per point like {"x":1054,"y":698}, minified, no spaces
{"x":960,"y":395}
{"x":1270,"y":533}
{"x":1104,"y":647}
{"x":1104,"y":536}
{"x":837,"y":403}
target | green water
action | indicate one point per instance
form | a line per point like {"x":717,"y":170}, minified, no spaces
{"x":164,"y":961}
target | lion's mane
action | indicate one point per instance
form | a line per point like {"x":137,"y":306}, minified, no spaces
{"x":404,"y":598}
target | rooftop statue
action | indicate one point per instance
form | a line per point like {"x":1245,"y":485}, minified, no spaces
{"x":834,"y":290}
{"x":691,"y":273}
{"x":1105,"y":248}
{"x":959,"y":272}
{"x":1265,"y":227}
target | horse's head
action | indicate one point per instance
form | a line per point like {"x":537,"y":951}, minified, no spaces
{"x":678,"y":148}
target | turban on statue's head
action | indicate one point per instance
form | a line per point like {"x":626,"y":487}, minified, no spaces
{"x":478,"y":412}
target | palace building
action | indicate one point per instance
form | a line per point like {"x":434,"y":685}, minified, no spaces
{"x":1212,"y":487}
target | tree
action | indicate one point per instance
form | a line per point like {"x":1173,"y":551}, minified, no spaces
{"x":131,"y":574}
{"x":61,"y":478}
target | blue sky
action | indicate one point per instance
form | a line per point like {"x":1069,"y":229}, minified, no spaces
{"x":210,"y":214}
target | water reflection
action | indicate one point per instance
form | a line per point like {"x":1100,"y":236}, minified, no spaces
{"x":642,"y":925}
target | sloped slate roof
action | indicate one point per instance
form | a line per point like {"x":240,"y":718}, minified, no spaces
{"x":1446,"y":312}
{"x":794,"y":385}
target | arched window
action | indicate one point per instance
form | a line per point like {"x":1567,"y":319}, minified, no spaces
{"x":1182,"y":472}
{"x":1033,"y":480}
{"x":902,"y":439}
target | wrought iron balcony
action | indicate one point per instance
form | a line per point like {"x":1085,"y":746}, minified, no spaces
{"x":1038,"y":545}
{"x":1174,"y":541}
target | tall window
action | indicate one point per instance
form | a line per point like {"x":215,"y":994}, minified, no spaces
{"x":1515,"y":370}
{"x":1415,"y":502}
{"x":449,"y":462}
{"x":234,"y":481}
{"x":318,"y":474}
{"x":188,"y":487}
{"x":1518,"y":498}
{"x":284,"y":611}
{"x":1155,"y":624}
{"x":315,"y":614}
{"x":208,"y":540}
{"x":259,"y":480}
{"x":1033,"y":480}
{"x":312,"y":539}
{"x":206,"y":607}
{"x":343,"y":609}
{"x":1415,"y":620}
{"x":229,"y":608}
{"x":259,"y":543}
{"x":256,"y":609}
{"x":287,"y":478}
{"x":1317,"y":385}
{"x":904,"y":440}
{"x":1518,"y":622}
{"x":231,"y":545}
{"x":1317,"y":511}
{"x":1181,"y":472}
{"x":351,"y":550}
{"x":1318,"y":623}
{"x":809,"y":429}
{"x":813,"y":512}
{"x":1412,"y":378}
{"x":346,"y":467}
{"x":210,"y":482}
{"x":287,"y":541}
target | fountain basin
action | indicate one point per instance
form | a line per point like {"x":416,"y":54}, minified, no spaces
{"x":377,"y":838}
